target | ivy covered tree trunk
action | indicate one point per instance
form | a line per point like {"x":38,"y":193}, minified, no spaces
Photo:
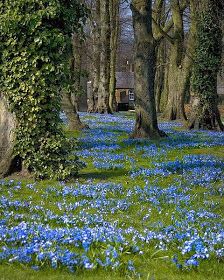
{"x":33,"y":73}
{"x":7,"y":136}
{"x":103,"y":90}
{"x":207,"y":61}
{"x":146,"y":125}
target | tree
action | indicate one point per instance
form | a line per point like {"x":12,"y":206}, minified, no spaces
{"x":104,"y":26}
{"x":207,"y":60}
{"x":34,"y":68}
{"x":114,"y":32}
{"x":103,"y":89}
{"x":94,"y":41}
{"x":68,"y":106}
{"x":70,"y":99}
{"x":146,"y":120}
{"x":179,"y":63}
{"x":159,"y":16}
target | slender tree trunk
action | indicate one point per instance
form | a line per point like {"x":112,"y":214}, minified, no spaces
{"x":74,"y":122}
{"x":114,"y":27}
{"x":146,"y":125}
{"x":160,"y":19}
{"x":103,"y":90}
{"x":165,"y":91}
{"x":95,"y":66}
{"x":70,"y":100}
{"x":160,"y":74}
{"x":7,"y":137}
{"x":77,"y":70}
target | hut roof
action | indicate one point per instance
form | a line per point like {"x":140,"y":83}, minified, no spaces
{"x":124,"y":80}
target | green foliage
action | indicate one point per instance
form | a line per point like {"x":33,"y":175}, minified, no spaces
{"x":207,"y":58}
{"x":35,"y":48}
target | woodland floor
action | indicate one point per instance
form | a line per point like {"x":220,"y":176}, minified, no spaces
{"x":138,"y":210}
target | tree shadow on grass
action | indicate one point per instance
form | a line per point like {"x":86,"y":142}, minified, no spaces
{"x":103,"y":174}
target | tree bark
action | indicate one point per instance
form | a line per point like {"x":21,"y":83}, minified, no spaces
{"x":178,"y":79}
{"x":74,"y":122}
{"x":159,"y":17}
{"x":92,"y":97}
{"x":114,"y":31}
{"x":103,"y":90}
{"x":179,"y":68}
{"x":77,"y":45}
{"x":160,"y":74}
{"x":70,"y":100}
{"x":146,"y":125}
{"x":7,"y":137}
{"x":202,"y":117}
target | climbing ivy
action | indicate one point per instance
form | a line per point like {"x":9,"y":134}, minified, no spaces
{"x":207,"y":58}
{"x":35,"y":47}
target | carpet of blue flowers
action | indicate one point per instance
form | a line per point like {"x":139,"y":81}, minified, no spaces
{"x":135,"y":198}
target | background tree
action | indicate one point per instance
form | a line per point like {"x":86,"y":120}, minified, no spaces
{"x":103,"y":89}
{"x":34,"y":57}
{"x":94,"y":42}
{"x":70,"y":99}
{"x":159,"y":16}
{"x":103,"y":37}
{"x":114,"y":32}
{"x":125,"y":51}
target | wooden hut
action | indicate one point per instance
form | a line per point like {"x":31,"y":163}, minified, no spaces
{"x":125,"y":97}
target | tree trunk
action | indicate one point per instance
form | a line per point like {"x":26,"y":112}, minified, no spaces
{"x":77,"y":70}
{"x":146,"y":125}
{"x":204,"y":110}
{"x":179,"y":69}
{"x":114,"y":30}
{"x":160,"y":74}
{"x":74,"y":122}
{"x":70,"y":100}
{"x":92,"y":97}
{"x":159,"y":11}
{"x":203,"y":117}
{"x":7,"y":137}
{"x":103,"y":90}
{"x":178,"y":79}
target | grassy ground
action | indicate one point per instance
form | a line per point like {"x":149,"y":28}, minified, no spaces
{"x":170,"y":189}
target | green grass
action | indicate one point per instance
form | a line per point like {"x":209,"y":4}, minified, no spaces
{"x":152,"y":266}
{"x":153,"y":270}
